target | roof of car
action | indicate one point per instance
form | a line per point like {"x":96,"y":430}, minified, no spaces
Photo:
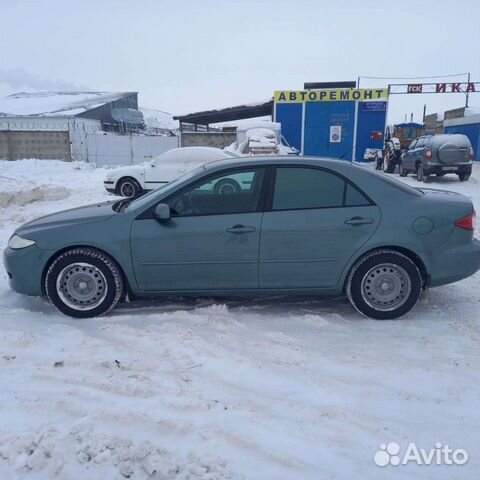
{"x":277,"y":159}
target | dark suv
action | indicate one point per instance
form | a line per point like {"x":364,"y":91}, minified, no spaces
{"x":439,"y":155}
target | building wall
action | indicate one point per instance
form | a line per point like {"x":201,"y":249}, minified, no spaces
{"x":54,"y":138}
{"x":112,"y":149}
{"x":207,"y":139}
{"x":472,"y":131}
{"x":104,"y":112}
{"x":51,"y":145}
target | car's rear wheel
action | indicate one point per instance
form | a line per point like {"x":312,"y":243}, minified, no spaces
{"x":463,"y":176}
{"x":84,"y":283}
{"x":384,"y":285}
{"x":422,"y":176}
{"x":129,"y":187}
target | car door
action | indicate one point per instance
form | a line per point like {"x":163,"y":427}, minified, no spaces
{"x":165,"y":168}
{"x":318,"y":220}
{"x":419,"y":150}
{"x":409,"y":161}
{"x":211,"y":241}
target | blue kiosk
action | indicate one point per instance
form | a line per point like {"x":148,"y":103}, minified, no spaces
{"x":339,"y":123}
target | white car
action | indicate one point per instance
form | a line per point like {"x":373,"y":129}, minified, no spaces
{"x":133,"y":180}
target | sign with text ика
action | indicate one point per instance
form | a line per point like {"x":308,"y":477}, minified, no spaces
{"x":340,"y":95}
{"x":454,"y":87}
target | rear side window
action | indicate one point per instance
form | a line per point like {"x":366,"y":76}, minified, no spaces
{"x":354,"y":198}
{"x":420,"y":143}
{"x":301,"y":188}
{"x":412,"y":145}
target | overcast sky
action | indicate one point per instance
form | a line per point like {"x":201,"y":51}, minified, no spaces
{"x":188,"y":55}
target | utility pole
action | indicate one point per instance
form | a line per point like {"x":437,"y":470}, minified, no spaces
{"x":466,"y":96}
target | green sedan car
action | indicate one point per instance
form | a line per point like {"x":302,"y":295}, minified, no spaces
{"x":301,"y":226}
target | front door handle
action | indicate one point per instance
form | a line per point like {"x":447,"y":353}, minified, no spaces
{"x":359,"y":221}
{"x":240,"y":229}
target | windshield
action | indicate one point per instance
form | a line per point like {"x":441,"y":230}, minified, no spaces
{"x":140,"y":201}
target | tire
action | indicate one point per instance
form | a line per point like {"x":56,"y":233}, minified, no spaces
{"x":129,"y":187}
{"x":421,"y":175}
{"x":390,"y":166}
{"x":100,"y":275}
{"x":402,"y":171}
{"x":463,"y":176}
{"x":226,"y":186}
{"x":402,"y":280}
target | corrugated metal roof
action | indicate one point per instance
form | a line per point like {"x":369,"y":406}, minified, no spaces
{"x":55,"y":103}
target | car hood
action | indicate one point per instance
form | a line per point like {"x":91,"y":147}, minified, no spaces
{"x":97,"y":212}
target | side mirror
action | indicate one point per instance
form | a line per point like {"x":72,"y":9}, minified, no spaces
{"x":162,"y":212}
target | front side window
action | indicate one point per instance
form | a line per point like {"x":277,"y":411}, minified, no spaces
{"x":230,"y":192}
{"x":300,"y":188}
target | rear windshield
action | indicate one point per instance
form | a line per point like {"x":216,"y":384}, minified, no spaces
{"x":399,"y":185}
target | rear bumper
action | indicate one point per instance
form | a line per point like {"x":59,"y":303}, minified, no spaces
{"x":455,"y":264}
{"x":439,"y":168}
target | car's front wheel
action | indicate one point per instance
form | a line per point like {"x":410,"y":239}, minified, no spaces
{"x":402,"y":171}
{"x":384,"y":285}
{"x":129,"y":187}
{"x":226,"y":186}
{"x":84,"y":283}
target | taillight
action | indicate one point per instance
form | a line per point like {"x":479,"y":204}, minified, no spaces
{"x":428,"y":154}
{"x":470,"y":155}
{"x":467,"y":223}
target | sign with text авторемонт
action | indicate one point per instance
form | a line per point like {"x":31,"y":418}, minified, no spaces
{"x":339,"y":95}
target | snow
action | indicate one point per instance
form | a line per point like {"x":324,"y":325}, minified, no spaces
{"x":55,"y":103}
{"x":268,"y":389}
{"x":157,"y":119}
{"x":470,"y":111}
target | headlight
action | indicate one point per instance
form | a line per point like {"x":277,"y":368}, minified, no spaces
{"x":16,"y":242}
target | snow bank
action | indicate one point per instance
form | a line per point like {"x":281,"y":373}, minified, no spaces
{"x":81,"y":453}
{"x":30,"y":195}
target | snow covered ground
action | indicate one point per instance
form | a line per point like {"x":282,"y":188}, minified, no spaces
{"x":273,"y":389}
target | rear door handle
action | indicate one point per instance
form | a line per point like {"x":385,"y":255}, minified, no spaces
{"x":240,"y":229}
{"x":359,"y":221}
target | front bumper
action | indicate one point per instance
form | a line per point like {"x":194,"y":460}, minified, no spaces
{"x":109,"y":186}
{"x":25,"y":269}
{"x":443,"y":169}
{"x":455,"y":264}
